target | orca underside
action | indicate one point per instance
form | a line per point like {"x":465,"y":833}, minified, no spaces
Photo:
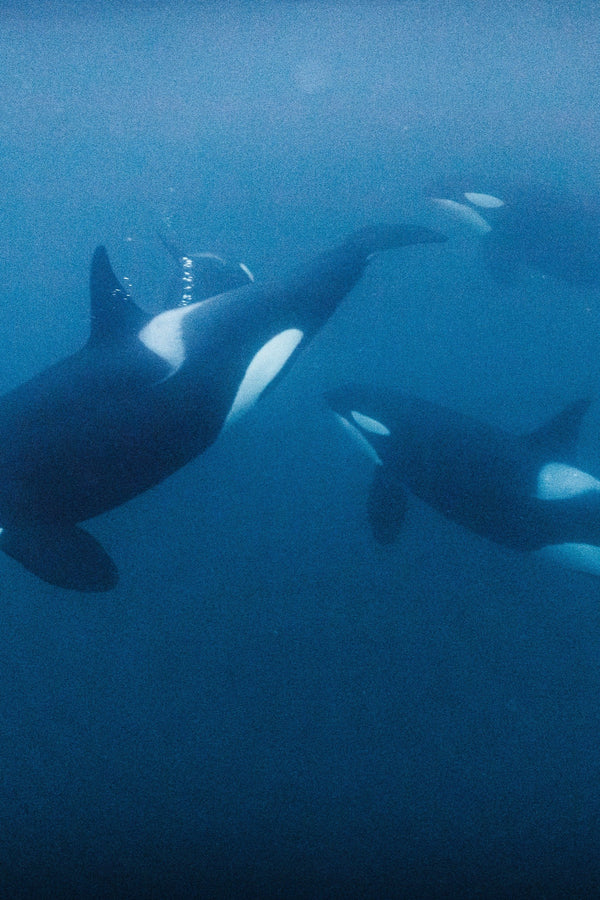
{"x":524,"y":492}
{"x":145,"y":395}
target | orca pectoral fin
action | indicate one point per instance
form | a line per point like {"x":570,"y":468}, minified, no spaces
{"x":65,"y":556}
{"x":386,"y":508}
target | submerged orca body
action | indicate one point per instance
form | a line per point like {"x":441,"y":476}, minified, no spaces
{"x":532,"y":226}
{"x":146,"y":395}
{"x":524,"y":492}
{"x":558,"y":235}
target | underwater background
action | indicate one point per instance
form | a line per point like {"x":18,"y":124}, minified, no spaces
{"x":269,"y":705}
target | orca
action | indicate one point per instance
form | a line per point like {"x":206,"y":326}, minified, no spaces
{"x":533,"y":226}
{"x":147,"y":394}
{"x":524,"y":492}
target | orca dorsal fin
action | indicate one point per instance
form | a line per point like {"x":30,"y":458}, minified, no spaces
{"x":557,"y":438}
{"x":113,"y":312}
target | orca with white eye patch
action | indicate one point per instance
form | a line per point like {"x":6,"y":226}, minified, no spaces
{"x":147,"y":394}
{"x":532,"y":225}
{"x":524,"y":492}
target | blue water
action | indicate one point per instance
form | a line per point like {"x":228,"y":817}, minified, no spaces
{"x":269,"y":705}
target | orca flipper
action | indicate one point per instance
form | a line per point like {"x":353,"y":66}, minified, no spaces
{"x":386,"y":507}
{"x":63,"y":555}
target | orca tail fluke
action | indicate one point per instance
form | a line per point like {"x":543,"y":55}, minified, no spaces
{"x":376,"y":238}
{"x":65,"y":556}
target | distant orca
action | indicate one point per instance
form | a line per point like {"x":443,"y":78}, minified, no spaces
{"x":520,"y":491}
{"x":146,"y":395}
{"x":204,"y":275}
{"x":533,"y":226}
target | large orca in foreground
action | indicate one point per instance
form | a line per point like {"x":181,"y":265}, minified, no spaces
{"x":533,"y":226}
{"x":146,"y":395}
{"x":524,"y":492}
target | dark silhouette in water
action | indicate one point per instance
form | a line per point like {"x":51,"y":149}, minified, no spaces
{"x":521,"y":491}
{"x":536,"y":226}
{"x":146,"y":395}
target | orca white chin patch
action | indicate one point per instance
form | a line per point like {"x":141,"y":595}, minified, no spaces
{"x":264,"y":367}
{"x":359,"y":439}
{"x":581,"y":557}
{"x":557,"y":481}
{"x":464,"y":213}
{"x":485,"y":201}
{"x":369,"y":424}
{"x":163,"y":335}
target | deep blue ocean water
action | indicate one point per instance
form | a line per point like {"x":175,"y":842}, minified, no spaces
{"x":270,"y":705}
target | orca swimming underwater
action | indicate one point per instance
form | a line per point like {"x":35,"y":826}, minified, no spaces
{"x":524,"y":492}
{"x":536,"y":226}
{"x":146,"y":394}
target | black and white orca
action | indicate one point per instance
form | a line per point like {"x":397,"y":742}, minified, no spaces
{"x":533,"y":226}
{"x":145,"y":395}
{"x":524,"y":492}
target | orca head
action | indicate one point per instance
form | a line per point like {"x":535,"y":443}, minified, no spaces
{"x":468,"y":213}
{"x":367,"y":415}
{"x":362,"y":413}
